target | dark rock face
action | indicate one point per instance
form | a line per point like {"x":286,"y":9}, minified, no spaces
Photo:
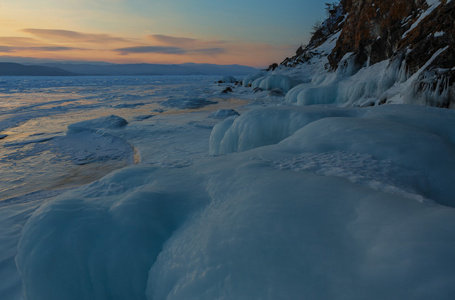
{"x":227,"y":90}
{"x":273,"y":66}
{"x":377,"y":30}
{"x":414,"y":34}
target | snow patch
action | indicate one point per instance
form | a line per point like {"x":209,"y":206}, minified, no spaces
{"x":438,"y":34}
{"x":432,"y":6}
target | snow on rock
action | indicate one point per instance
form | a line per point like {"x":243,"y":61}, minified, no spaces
{"x":380,"y":47}
{"x":433,"y":4}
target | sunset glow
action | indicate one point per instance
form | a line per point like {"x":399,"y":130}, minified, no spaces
{"x":254,"y":33}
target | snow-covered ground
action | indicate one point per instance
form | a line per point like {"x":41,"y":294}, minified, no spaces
{"x":270,"y":201}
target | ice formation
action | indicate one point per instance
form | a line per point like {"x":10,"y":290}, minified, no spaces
{"x":323,"y":194}
{"x":270,"y":82}
{"x":223,"y":114}
{"x":248,"y":80}
{"x":342,"y":203}
{"x":228,"y":79}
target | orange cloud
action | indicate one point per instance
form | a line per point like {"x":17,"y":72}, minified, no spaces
{"x":172,"y":40}
{"x":73,"y":36}
{"x":44,"y":48}
{"x":157,"y":48}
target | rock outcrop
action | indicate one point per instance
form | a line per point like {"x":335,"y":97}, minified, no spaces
{"x":418,"y":36}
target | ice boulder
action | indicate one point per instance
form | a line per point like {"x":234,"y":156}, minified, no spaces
{"x":227,"y":79}
{"x":270,"y":82}
{"x":304,"y":95}
{"x":262,"y":127}
{"x":276,"y":93}
{"x":90,"y":141}
{"x":109,"y":122}
{"x":99,"y":241}
{"x":223,"y":114}
{"x":248,"y":80}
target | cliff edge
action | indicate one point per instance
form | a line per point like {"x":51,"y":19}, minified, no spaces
{"x":397,"y":51}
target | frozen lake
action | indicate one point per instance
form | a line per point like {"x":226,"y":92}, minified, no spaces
{"x":166,"y":188}
{"x":35,"y":113}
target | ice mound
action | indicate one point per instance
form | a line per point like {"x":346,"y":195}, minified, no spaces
{"x":328,"y":203}
{"x":100,"y":241}
{"x":109,"y":122}
{"x":263,"y":127}
{"x":188,"y":103}
{"x":248,"y":80}
{"x":253,"y":242}
{"x":388,"y":134}
{"x":89,"y":141}
{"x":270,"y":82}
{"x":305,"y":95}
{"x":383,"y":82}
{"x":223,"y":114}
{"x":228,"y":79}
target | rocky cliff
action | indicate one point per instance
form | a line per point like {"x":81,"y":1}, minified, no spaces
{"x":414,"y":37}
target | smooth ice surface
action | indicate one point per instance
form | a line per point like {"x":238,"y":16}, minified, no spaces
{"x":278,"y":202}
{"x":109,"y":122}
{"x":187,"y":103}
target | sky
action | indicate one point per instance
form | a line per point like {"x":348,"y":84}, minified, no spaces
{"x":247,"y":32}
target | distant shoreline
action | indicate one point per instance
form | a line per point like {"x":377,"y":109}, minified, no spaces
{"x":87,"y":69}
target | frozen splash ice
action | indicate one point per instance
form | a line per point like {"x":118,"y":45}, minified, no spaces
{"x":299,"y":217}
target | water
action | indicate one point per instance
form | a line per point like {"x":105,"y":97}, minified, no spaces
{"x":35,"y":112}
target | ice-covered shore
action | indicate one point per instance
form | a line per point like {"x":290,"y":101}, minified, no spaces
{"x":311,"y":202}
{"x":304,"y":186}
{"x":238,"y":195}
